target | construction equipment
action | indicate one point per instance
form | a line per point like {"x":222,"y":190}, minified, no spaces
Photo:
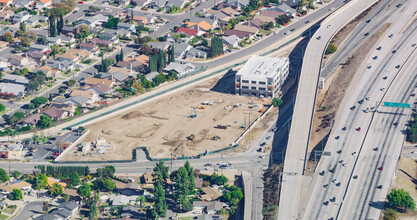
{"x":221,"y":127}
{"x":237,"y":105}
{"x":207,"y":103}
{"x":215,"y":137}
{"x":191,"y":137}
{"x":242,"y":125}
{"x":195,"y":113}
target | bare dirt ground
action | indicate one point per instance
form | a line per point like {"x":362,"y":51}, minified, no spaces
{"x":407,"y":180}
{"x":332,"y":95}
{"x":164,"y":125}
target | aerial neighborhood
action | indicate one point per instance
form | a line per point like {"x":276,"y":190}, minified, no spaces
{"x":207,"y":109}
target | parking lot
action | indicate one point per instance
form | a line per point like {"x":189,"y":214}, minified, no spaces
{"x":39,"y":152}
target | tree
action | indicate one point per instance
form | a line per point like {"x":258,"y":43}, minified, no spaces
{"x":52,"y":26}
{"x":216,"y":48}
{"x":276,"y":102}
{"x":112,"y":22}
{"x":44,"y":122}
{"x":84,"y":190}
{"x":16,"y":194}
{"x":204,"y":42}
{"x":16,"y":174}
{"x":109,"y":184}
{"x":7,"y":37}
{"x":40,"y":182}
{"x":2,"y":107}
{"x":42,"y":40}
{"x":218,"y":180}
{"x":161,"y":170}
{"x":60,"y":24}
{"x":71,"y":82}
{"x":160,"y":204}
{"x":66,"y":197}
{"x":191,"y":176}
{"x":153,"y":63}
{"x":390,"y":214}
{"x":56,"y":189}
{"x":331,"y":49}
{"x":3,"y":175}
{"x":106,"y":172}
{"x":172,"y":54}
{"x":74,"y":178}
{"x":400,"y":199}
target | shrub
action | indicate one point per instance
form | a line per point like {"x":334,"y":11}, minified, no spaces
{"x":331,"y":49}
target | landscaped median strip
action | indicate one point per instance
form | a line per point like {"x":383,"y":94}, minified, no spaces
{"x":177,"y":86}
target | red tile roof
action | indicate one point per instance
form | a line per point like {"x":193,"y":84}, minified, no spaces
{"x":187,"y":31}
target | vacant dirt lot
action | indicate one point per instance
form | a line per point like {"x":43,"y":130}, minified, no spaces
{"x":164,"y":125}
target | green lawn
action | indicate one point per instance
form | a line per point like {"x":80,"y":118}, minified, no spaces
{"x":187,"y":218}
{"x":2,"y":217}
{"x":9,"y":210}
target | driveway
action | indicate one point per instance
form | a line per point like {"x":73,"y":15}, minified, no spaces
{"x":31,"y":209}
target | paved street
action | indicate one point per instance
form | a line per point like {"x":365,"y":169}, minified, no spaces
{"x":304,"y":107}
{"x":363,"y":183}
{"x":31,"y":209}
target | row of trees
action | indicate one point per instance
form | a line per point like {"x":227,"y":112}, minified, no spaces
{"x":157,"y":60}
{"x":63,"y":171}
{"x":105,"y":64}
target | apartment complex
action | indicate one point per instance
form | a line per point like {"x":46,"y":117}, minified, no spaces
{"x":262,"y":76}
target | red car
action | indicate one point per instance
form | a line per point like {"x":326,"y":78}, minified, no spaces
{"x":381,"y":168}
{"x":56,"y":154}
{"x":358,"y":129}
{"x":80,"y":2}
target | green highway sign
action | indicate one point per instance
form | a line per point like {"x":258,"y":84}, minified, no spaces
{"x":397,"y":104}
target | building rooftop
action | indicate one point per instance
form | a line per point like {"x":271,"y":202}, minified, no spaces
{"x":262,"y":66}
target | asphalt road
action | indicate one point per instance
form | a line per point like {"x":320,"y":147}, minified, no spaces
{"x":304,"y":107}
{"x":361,"y":198}
{"x":364,"y":30}
{"x":31,"y":209}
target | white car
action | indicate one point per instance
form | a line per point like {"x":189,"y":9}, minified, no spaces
{"x":274,"y":129}
{"x":261,"y":156}
{"x":414,"y":152}
{"x":335,"y":181}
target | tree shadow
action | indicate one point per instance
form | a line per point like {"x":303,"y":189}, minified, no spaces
{"x":378,"y":205}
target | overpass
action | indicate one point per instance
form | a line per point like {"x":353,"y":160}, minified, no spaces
{"x":297,"y":147}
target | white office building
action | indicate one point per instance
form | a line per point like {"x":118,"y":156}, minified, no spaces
{"x":262,"y":76}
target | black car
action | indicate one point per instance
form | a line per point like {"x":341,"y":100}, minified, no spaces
{"x":366,"y":34}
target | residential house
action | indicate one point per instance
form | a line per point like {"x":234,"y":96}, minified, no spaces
{"x":3,"y":205}
{"x":180,"y":69}
{"x":140,"y":3}
{"x":211,"y":217}
{"x":48,"y":71}
{"x":286,"y":9}
{"x":101,"y":43}
{"x":89,"y":46}
{"x":18,"y":91}
{"x":122,"y":200}
{"x":231,"y":41}
{"x":3,"y":66}
{"x":101,"y":89}
{"x":125,"y":71}
{"x":19,"y":61}
{"x":202,"y":24}
{"x":130,"y":189}
{"x":52,"y":181}
{"x":198,"y":182}
{"x":67,"y":40}
{"x":11,"y":151}
{"x":23,"y":185}
{"x":239,"y":3}
{"x":123,"y":2}
{"x":126,"y":26}
{"x":35,"y":19}
{"x":181,"y":49}
{"x":272,"y":13}
{"x":148,"y":178}
{"x":210,"y":194}
{"x":175,"y":3}
{"x":21,"y":17}
{"x":133,"y":213}
{"x":22,"y":3}
{"x":265,"y":19}
{"x":150,"y":76}
{"x":75,"y":55}
{"x":60,"y":64}
{"x":188,"y":31}
{"x":10,"y":78}
{"x":110,"y":35}
{"x":6,"y":14}
{"x":117,"y":77}
{"x":36,"y":56}
{"x":222,"y":17}
{"x":151,"y":18}
{"x":226,"y":5}
{"x":141,"y":20}
{"x":6,"y":2}
{"x":94,"y":21}
{"x":54,"y":113}
{"x":67,"y":210}
{"x":229,"y":11}
{"x":94,"y":81}
{"x":246,"y":28}
{"x":78,"y":100}
{"x":43,"y":3}
{"x":40,"y":48}
{"x":240,"y":34}
{"x":197,"y":53}
{"x":159,"y":45}
{"x":72,"y":193}
{"x":92,"y":96}
{"x":210,"y":208}
{"x":157,"y":4}
{"x":70,"y":31}
{"x":294,"y":3}
{"x":70,"y":108}
{"x":31,"y":120}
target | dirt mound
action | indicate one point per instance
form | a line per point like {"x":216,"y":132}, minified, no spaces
{"x":131,"y":115}
{"x":106,"y":131}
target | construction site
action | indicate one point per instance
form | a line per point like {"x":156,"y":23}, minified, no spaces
{"x":200,"y":119}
